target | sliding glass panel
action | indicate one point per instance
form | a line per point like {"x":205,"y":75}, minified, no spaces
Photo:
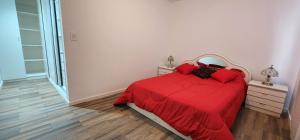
{"x":29,"y":25}
{"x":28,"y":21}
{"x":29,"y":6}
{"x":33,"y":52}
{"x":29,"y":37}
{"x":59,"y":41}
{"x":33,"y":67}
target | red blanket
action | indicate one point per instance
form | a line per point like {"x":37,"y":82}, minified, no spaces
{"x":204,"y":109}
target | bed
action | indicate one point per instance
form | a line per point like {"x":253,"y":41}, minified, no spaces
{"x":191,"y":107}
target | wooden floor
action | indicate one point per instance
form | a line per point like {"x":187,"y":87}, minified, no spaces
{"x":32,"y":109}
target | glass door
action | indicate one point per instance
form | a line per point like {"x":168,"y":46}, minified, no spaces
{"x":59,"y":42}
{"x":53,"y":38}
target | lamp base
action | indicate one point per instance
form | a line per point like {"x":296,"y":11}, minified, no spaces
{"x":170,"y":65}
{"x":267,"y":83}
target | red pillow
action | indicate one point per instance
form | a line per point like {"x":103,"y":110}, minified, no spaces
{"x":239,"y":72}
{"x":186,"y":68}
{"x":224,"y":75}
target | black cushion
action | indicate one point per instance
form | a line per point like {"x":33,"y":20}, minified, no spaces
{"x":216,"y":66}
{"x":203,"y":72}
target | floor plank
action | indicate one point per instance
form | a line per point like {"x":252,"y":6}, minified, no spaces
{"x":32,"y":109}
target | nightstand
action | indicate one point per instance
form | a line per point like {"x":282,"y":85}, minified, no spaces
{"x":165,"y":70}
{"x":266,"y":99}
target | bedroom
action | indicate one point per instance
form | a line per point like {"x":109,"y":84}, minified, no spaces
{"x":120,"y":42}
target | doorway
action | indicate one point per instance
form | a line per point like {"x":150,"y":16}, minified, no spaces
{"x":32,"y":44}
{"x":30,"y":34}
{"x":54,"y":44}
{"x":53,"y":40}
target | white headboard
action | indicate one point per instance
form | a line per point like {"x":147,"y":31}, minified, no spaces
{"x":226,"y":61}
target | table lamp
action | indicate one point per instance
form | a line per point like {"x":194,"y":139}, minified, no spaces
{"x":269,"y":72}
{"x":171,"y":61}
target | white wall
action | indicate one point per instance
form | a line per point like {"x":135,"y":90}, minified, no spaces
{"x":11,"y":55}
{"x":253,"y":33}
{"x":118,"y":42}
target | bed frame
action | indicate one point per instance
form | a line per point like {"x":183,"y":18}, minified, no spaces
{"x":156,"y":119}
{"x":227,"y":62}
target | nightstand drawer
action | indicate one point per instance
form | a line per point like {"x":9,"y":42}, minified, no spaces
{"x":268,"y":91}
{"x":266,"y":96}
{"x":165,"y":71}
{"x":263,"y":106}
{"x":264,"y":111}
{"x":265,"y":101}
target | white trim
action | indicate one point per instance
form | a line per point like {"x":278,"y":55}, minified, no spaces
{"x":27,"y":45}
{"x":60,"y":90}
{"x":229,"y":64}
{"x":36,"y":76}
{"x":28,"y":29}
{"x":33,"y":60}
{"x":28,"y":13}
{"x":1,"y":81}
{"x":14,"y":80}
{"x":156,"y":119}
{"x":99,"y":96}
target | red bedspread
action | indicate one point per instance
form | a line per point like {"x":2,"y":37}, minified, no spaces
{"x":204,"y":109}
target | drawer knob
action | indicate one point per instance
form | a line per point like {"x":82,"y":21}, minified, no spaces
{"x":262,"y":104}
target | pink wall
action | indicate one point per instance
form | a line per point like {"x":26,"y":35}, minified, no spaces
{"x":127,"y":39}
{"x":253,"y":33}
{"x":119,"y":41}
{"x":295,"y":122}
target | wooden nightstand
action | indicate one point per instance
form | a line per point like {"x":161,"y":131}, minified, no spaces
{"x":165,"y":70}
{"x":266,"y":99}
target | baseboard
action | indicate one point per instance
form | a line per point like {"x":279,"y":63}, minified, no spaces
{"x":36,"y":76}
{"x":99,"y":96}
{"x":14,"y":80}
{"x":62,"y":92}
{"x":290,"y":117}
{"x":290,"y":122}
